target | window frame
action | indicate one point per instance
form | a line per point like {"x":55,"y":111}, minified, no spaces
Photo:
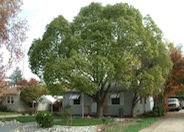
{"x":10,"y":100}
{"x":115,"y":99}
{"x":77,"y":101}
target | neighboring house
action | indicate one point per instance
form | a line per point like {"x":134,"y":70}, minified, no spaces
{"x":49,"y":103}
{"x":82,"y":104}
{"x":12,"y":100}
{"x":145,"y":104}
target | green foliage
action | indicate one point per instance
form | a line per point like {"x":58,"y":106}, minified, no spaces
{"x":84,"y":121}
{"x":22,"y":119}
{"x":105,"y":120}
{"x":3,"y":108}
{"x":67,"y":115}
{"x":110,"y":44}
{"x":30,"y":93}
{"x":16,"y":76}
{"x":121,"y":112}
{"x":135,"y":127}
{"x":45,"y":119}
{"x":158,"y":110}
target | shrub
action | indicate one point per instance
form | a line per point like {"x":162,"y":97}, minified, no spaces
{"x":121,"y":112}
{"x":45,"y":119}
{"x":158,"y":110}
{"x":67,"y":115}
{"x":3,"y":108}
{"x":24,"y":113}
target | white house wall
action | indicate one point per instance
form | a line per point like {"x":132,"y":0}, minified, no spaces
{"x":142,"y":107}
{"x":18,"y":105}
{"x":43,"y":106}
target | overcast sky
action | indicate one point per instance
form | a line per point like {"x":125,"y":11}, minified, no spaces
{"x":168,"y":15}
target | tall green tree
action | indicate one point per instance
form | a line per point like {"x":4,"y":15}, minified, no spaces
{"x":102,"y":48}
{"x":16,"y":76}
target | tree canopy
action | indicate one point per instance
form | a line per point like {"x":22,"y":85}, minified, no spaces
{"x":31,"y":90}
{"x":12,"y":28}
{"x":105,"y":46}
{"x":12,"y":35}
{"x":175,"y":80}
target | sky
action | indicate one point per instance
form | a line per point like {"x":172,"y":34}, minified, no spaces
{"x":168,"y":15}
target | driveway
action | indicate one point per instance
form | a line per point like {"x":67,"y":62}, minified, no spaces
{"x":172,"y":122}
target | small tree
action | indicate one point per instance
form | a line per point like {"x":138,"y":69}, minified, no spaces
{"x":45,"y":119}
{"x":31,"y":91}
{"x":16,"y":76}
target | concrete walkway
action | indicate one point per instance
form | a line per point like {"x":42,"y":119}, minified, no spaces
{"x":172,"y":122}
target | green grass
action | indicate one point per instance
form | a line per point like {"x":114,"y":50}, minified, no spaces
{"x":22,"y":119}
{"x":59,"y":121}
{"x":9,"y":113}
{"x":84,"y":122}
{"x":142,"y":123}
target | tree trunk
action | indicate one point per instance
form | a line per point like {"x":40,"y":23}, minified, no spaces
{"x":100,"y":109}
{"x":134,"y":102}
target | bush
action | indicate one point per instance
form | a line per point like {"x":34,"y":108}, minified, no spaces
{"x":24,"y":113}
{"x":158,"y":110}
{"x":3,"y":108}
{"x":121,"y":112}
{"x":67,"y":115}
{"x":45,"y":119}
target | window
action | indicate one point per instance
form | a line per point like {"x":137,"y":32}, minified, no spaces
{"x":76,"y":101}
{"x":10,"y":100}
{"x":75,"y":98}
{"x":115,"y":99}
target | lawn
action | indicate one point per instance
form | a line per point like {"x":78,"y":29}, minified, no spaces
{"x":9,"y":113}
{"x":132,"y":126}
{"x":126,"y":126}
{"x":84,"y":122}
{"x":22,"y":119}
{"x":59,"y":121}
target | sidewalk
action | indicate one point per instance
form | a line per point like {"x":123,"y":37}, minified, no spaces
{"x":153,"y":126}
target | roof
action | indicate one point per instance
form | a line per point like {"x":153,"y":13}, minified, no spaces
{"x":113,"y":88}
{"x":13,"y":90}
{"x":49,"y":98}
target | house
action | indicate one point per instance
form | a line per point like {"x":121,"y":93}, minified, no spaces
{"x":49,"y":103}
{"x":12,"y":100}
{"x":82,"y":104}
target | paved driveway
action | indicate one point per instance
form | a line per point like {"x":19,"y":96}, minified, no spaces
{"x":172,"y":122}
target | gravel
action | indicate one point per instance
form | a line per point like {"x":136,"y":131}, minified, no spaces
{"x":14,"y":126}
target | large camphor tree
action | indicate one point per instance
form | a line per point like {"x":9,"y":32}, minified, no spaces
{"x":104,"y":47}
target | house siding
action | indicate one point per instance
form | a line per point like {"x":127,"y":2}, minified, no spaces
{"x":144,"y":106}
{"x":125,"y":102}
{"x":90,"y":107}
{"x":17,"y":106}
